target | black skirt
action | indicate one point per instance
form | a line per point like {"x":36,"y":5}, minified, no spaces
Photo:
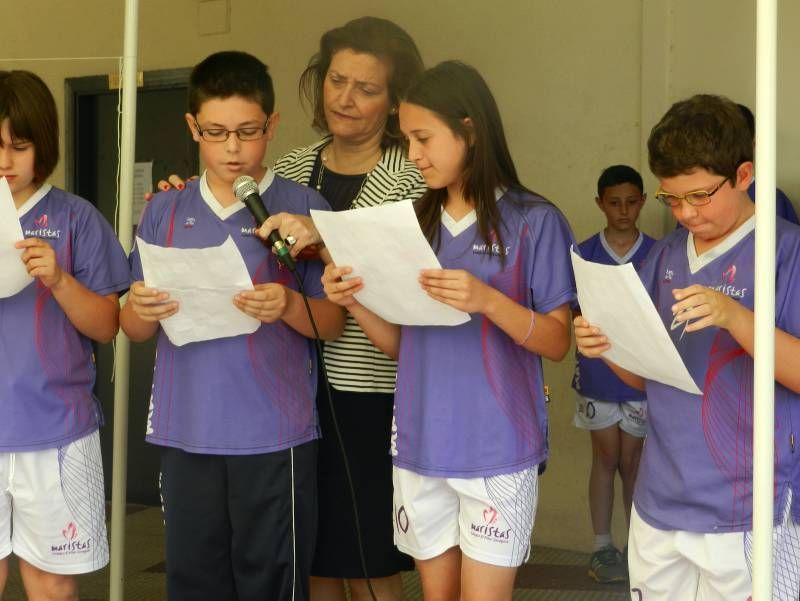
{"x":365,"y":421}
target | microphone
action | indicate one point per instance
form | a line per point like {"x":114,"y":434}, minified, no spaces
{"x":246,"y":190}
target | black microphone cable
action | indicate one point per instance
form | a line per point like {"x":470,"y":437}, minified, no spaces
{"x":246,"y":190}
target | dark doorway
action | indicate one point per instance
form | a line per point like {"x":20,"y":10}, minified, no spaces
{"x":91,"y":172}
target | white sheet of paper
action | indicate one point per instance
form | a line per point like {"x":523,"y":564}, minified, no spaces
{"x":204,"y":282}
{"x":386,"y":248}
{"x":142,"y":183}
{"x":13,"y":275}
{"x":613,"y":298}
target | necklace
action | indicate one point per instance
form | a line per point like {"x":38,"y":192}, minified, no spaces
{"x":321,"y":175}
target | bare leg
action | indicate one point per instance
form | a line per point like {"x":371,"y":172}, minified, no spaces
{"x":44,"y":586}
{"x":441,"y":576}
{"x":485,"y":582}
{"x":327,"y":589}
{"x":605,"y":461}
{"x":389,"y":588}
{"x":3,"y":575}
{"x":629,"y":455}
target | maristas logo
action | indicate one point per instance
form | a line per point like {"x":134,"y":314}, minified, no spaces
{"x":728,"y":285}
{"x":42,"y":229}
{"x":494,"y":248}
{"x":73,"y":544}
{"x":488,"y":530}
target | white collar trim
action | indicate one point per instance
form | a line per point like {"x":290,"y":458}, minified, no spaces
{"x":628,"y":255}
{"x":34,"y":199}
{"x":224,"y":212}
{"x":459,"y":227}
{"x":697,"y":262}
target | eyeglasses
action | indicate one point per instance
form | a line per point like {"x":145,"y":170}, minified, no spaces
{"x":697,"y":198}
{"x":245,"y":134}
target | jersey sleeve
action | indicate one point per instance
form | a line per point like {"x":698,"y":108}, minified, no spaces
{"x":98,"y":261}
{"x":147,"y":231}
{"x":552,"y":282}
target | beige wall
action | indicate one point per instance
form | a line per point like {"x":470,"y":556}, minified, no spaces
{"x":579,"y":84}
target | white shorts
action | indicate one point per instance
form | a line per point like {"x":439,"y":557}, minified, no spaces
{"x":52,"y":507}
{"x":591,"y":414}
{"x":675,"y":564}
{"x":490,"y":519}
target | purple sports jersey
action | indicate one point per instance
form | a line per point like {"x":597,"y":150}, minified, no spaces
{"x":593,"y":378}
{"x":470,"y":401}
{"x":244,"y":394}
{"x":696,"y":467}
{"x":48,"y":372}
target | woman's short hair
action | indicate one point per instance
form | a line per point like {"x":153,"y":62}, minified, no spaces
{"x":368,"y":35}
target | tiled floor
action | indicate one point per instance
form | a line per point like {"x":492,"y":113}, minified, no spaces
{"x":551,"y":575}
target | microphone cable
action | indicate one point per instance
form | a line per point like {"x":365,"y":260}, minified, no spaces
{"x":339,"y":439}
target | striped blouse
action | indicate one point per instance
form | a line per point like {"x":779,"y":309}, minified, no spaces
{"x":352,"y":361}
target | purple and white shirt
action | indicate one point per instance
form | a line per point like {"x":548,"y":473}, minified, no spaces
{"x":48,"y":371}
{"x":245,"y":394}
{"x":469,"y":401}
{"x":593,"y":378}
{"x":696,"y":467}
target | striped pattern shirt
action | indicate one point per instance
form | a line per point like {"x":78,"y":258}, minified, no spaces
{"x":352,"y":361}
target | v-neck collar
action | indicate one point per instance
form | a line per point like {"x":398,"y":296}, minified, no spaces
{"x":224,"y":212}
{"x":697,"y":262}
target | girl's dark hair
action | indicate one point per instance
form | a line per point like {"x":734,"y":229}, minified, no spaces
{"x":367,"y":35}
{"x":457,"y":92}
{"x":26,"y":101}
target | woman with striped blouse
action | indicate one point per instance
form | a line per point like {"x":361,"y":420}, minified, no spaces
{"x":353,"y":86}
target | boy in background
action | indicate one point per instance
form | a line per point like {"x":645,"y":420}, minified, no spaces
{"x":614,"y":413}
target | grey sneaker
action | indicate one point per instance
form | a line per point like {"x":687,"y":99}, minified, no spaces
{"x":606,"y":565}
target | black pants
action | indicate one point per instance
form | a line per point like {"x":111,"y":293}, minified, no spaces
{"x":239,"y":527}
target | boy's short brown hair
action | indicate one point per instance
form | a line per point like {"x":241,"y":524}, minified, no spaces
{"x":27,"y":103}
{"x":705,"y":131}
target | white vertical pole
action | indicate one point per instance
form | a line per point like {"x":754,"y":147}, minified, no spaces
{"x":122,"y":360}
{"x":764,"y":376}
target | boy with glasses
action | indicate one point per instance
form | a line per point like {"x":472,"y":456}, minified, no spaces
{"x":690,"y":526}
{"x":235,"y":416}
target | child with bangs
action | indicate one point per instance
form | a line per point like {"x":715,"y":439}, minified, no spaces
{"x":52,"y":505}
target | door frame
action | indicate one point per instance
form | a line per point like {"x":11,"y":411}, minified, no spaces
{"x":77,"y":87}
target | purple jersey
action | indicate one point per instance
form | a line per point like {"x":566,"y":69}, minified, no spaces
{"x":48,"y":367}
{"x":244,"y":394}
{"x":593,"y":378}
{"x":470,"y":401}
{"x":696,"y":467}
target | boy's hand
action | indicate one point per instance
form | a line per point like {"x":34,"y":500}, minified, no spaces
{"x":40,"y":261}
{"x":457,"y":288}
{"x":267,"y":303}
{"x":150,"y":304}
{"x":589,"y":339}
{"x":702,"y":307}
{"x":337,"y":290}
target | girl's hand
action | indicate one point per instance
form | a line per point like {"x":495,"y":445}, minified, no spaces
{"x":150,"y":304}
{"x":337,"y":290}
{"x":299,"y":228}
{"x":267,"y":303}
{"x":700,"y":307}
{"x":589,"y":339}
{"x":40,"y":261}
{"x":457,"y":288}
